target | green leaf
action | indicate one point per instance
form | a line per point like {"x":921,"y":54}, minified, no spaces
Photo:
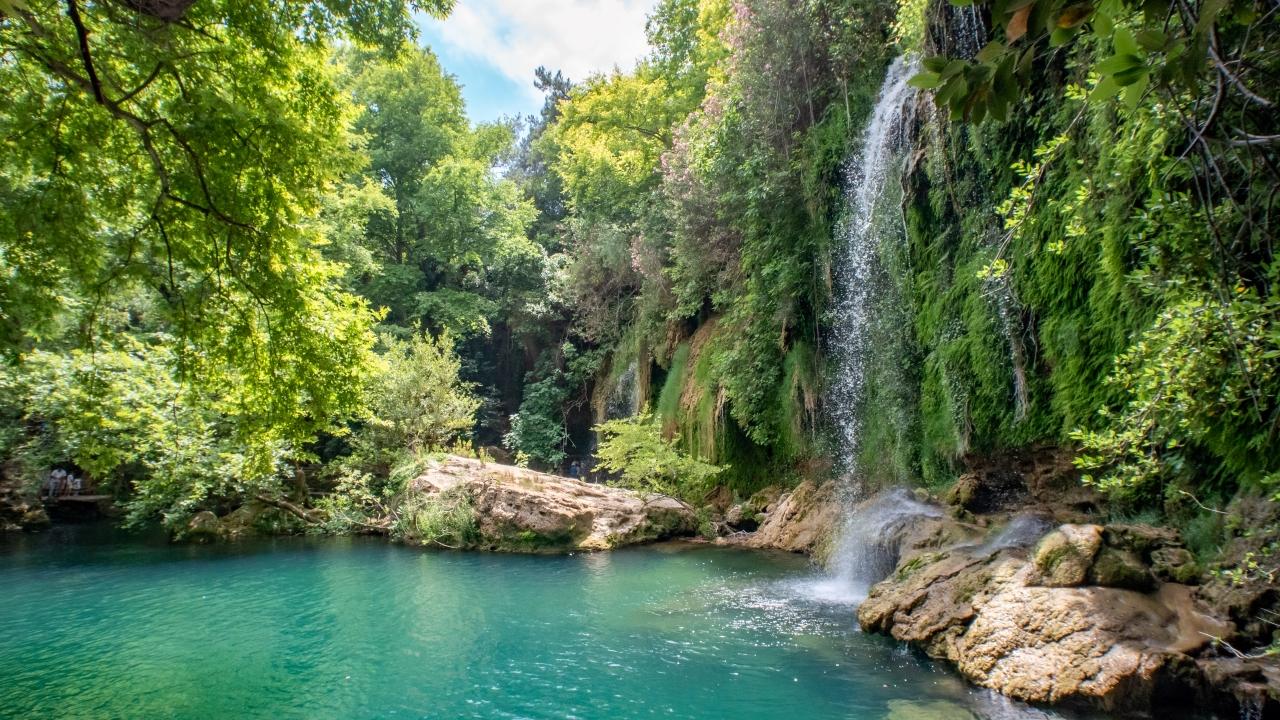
{"x":1103,"y":25}
{"x":1209,"y":12}
{"x":925,"y":80}
{"x":1151,"y":39}
{"x":1133,"y":93}
{"x":990,"y":52}
{"x":936,"y":63}
{"x":1061,"y":37}
{"x":1124,"y":42}
{"x":1128,"y":77}
{"x":1105,"y":90}
{"x":1117,"y":64}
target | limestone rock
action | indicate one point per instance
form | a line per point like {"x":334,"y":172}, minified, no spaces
{"x":202,"y":527}
{"x":985,"y":492}
{"x":520,"y":510}
{"x":1140,"y":539}
{"x":1108,"y":647}
{"x":1176,"y":565}
{"x":742,"y":517}
{"x":1117,"y":568}
{"x":718,"y":498}
{"x":1063,"y":557}
{"x":762,"y":500}
{"x":801,"y":521}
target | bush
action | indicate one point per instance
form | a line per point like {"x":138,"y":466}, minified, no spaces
{"x":447,"y":519}
{"x":418,"y":401}
{"x":635,"y":448}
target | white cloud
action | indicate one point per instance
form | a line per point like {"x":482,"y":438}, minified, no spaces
{"x":578,"y":37}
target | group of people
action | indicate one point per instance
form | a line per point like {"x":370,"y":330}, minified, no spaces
{"x":60,"y":482}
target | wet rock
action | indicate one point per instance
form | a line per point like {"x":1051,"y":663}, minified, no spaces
{"x":519,"y":510}
{"x":1104,"y":646}
{"x":719,"y":498}
{"x":762,"y":500}
{"x":1113,"y":567}
{"x":742,"y":518}
{"x":1175,"y":564}
{"x":1251,"y":599}
{"x":1063,"y":557}
{"x":1140,"y":539}
{"x":987,"y":490}
{"x":34,"y":518}
{"x":1253,"y":682}
{"x":801,"y":521}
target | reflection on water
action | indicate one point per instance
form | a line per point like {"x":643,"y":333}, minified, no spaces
{"x":95,"y":625}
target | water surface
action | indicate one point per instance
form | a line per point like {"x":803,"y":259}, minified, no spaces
{"x":98,"y":625}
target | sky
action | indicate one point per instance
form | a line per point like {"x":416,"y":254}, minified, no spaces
{"x":493,"y":46}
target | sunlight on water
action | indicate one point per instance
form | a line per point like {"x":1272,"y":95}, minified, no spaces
{"x":94,"y":626}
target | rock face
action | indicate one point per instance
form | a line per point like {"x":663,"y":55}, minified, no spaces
{"x":20,"y":512}
{"x":519,"y":510}
{"x":799,"y":521}
{"x":1041,"y":629}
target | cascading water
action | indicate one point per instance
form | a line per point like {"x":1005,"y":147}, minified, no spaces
{"x":871,"y":220}
{"x":970,"y":33}
{"x":863,"y":229}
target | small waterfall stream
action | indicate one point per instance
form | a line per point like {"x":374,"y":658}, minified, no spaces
{"x":861,"y":555}
{"x":862,"y":231}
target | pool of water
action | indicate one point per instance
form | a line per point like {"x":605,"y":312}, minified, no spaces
{"x":95,"y":624}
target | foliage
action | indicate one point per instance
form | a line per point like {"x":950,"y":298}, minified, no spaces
{"x":645,"y":460}
{"x":538,"y":430}
{"x":121,"y":416}
{"x":418,"y":401}
{"x":1199,"y":381}
{"x":446,"y":519}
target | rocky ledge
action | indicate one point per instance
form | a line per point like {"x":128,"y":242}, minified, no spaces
{"x":519,"y":510}
{"x":1048,"y":607}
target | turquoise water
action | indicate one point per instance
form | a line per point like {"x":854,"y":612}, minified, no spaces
{"x":97,"y":625}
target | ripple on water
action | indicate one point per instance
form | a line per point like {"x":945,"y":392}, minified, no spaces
{"x":320,"y":629}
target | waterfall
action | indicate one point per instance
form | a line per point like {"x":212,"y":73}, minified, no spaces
{"x":870,"y":179}
{"x":864,"y":551}
{"x":971,"y":34}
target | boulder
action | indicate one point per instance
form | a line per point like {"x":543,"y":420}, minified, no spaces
{"x":1175,"y":564}
{"x":801,"y":520}
{"x":718,"y":498}
{"x":202,"y":527}
{"x":742,"y":517}
{"x":992,"y":616}
{"x":985,"y":492}
{"x":1063,"y":557}
{"x":520,"y":510}
{"x":762,"y":500}
{"x":1117,"y":568}
{"x":1140,"y":539}
{"x":34,"y":518}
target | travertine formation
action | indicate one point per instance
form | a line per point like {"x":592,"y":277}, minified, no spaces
{"x":526,"y":511}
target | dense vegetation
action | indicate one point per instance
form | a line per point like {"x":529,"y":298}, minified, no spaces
{"x":251,"y":249}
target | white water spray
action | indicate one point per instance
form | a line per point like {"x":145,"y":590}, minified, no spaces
{"x":865,"y":552}
{"x":863,"y":230}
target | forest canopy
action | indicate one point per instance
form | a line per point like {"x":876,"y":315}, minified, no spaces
{"x":252,"y":249}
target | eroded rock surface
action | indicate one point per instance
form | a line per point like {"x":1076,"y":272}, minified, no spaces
{"x":522,"y":510}
{"x":1004,"y":627}
{"x":799,"y":521}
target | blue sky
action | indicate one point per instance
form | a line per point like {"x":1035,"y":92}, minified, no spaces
{"x":493,"y":46}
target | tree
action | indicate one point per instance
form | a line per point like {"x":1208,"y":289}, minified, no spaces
{"x":183,"y":148}
{"x":635,"y":448}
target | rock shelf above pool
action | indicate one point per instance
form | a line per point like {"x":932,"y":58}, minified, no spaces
{"x":520,"y":510}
